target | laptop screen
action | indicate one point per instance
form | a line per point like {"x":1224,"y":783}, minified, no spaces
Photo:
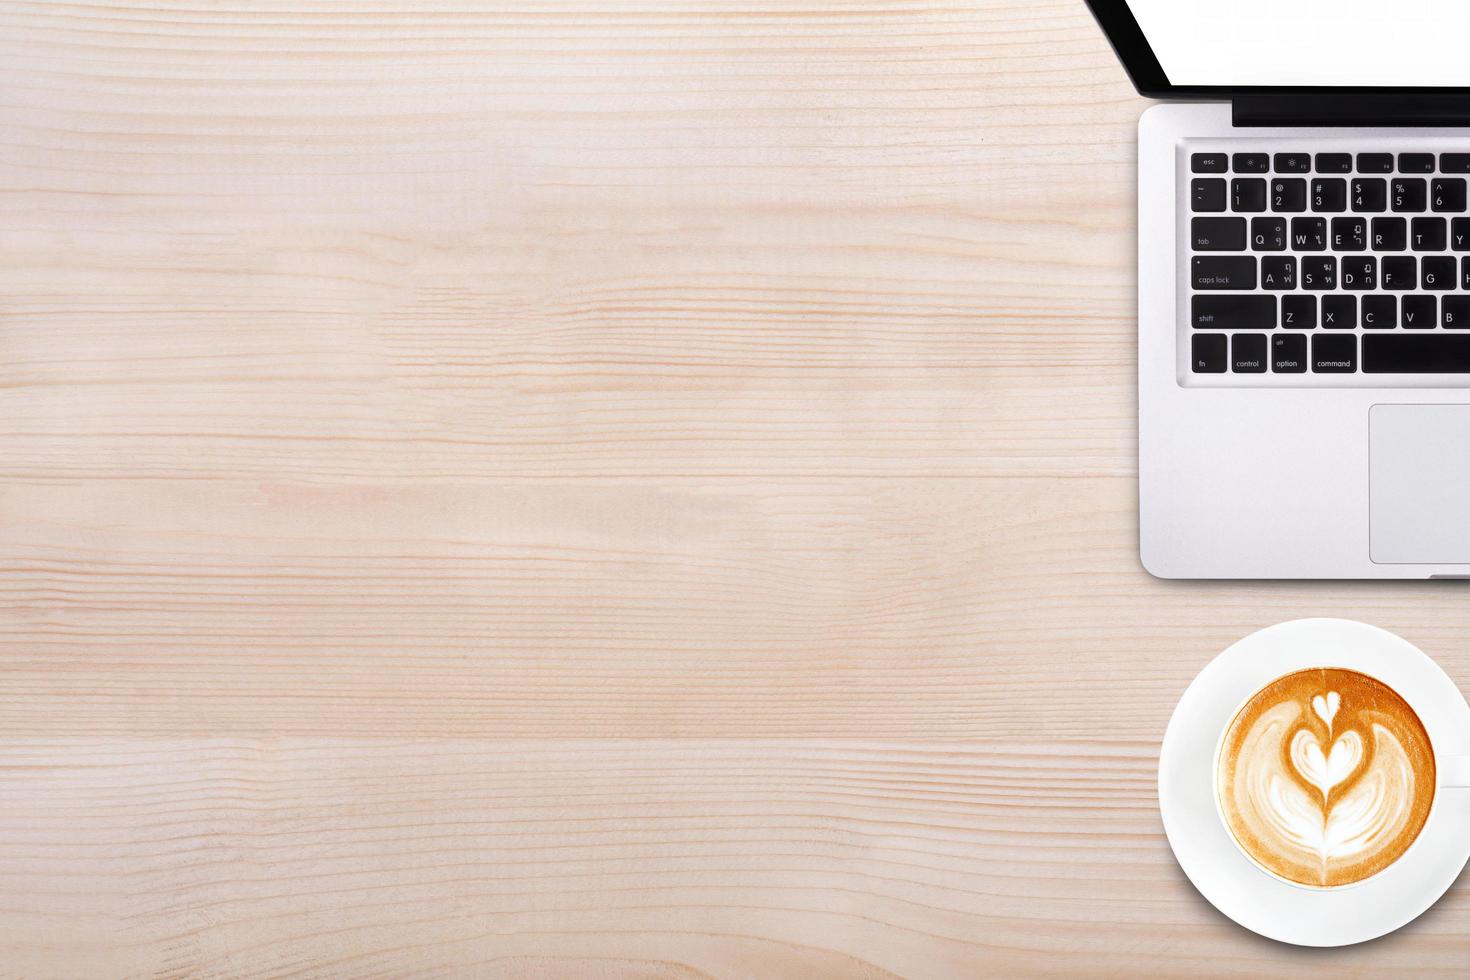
{"x":1358,"y":43}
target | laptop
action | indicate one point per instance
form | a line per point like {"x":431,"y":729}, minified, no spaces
{"x":1303,"y":286}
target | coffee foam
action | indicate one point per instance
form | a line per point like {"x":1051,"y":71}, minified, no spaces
{"x":1325,"y":777}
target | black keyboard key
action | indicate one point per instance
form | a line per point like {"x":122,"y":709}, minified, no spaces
{"x":1319,"y":272}
{"x":1224,"y":272}
{"x":1416,"y":163}
{"x":1334,"y":163}
{"x":1380,"y":312}
{"x":1428,"y":235}
{"x":1268,"y":234}
{"x":1399,"y":272}
{"x":1460,"y":234}
{"x":1218,"y":234}
{"x":1442,"y":353}
{"x":1207,"y":193}
{"x":1447,"y":194}
{"x":1455,"y":312}
{"x":1288,"y":353}
{"x":1208,"y":353}
{"x":1310,"y":234}
{"x":1248,"y":353}
{"x":1339,"y":312}
{"x":1349,"y":234}
{"x":1299,"y":312}
{"x":1335,"y":354}
{"x":1418,"y":312}
{"x":1250,"y":163}
{"x":1288,"y":194}
{"x":1233,"y":312}
{"x":1455,"y":163}
{"x":1369,"y":194}
{"x":1409,"y":194}
{"x":1209,"y":163}
{"x":1389,"y":234}
{"x":1437,"y":272}
{"x":1292,"y":163}
{"x":1375,"y":163}
{"x":1278,"y":272}
{"x":1329,"y":195}
{"x":1248,"y":194}
{"x":1359,"y":272}
{"x":1465,"y":273}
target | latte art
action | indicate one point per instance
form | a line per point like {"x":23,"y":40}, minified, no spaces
{"x":1325,"y":777}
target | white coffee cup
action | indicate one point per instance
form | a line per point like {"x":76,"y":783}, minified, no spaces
{"x":1207,"y":851}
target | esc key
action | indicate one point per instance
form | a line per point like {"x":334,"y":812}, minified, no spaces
{"x":1209,"y":163}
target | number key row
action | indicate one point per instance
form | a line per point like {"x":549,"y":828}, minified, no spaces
{"x":1328,"y":194}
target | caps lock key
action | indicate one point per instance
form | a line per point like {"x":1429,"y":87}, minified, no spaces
{"x":1224,"y":272}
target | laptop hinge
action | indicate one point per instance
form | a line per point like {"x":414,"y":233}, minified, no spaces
{"x":1352,"y":109}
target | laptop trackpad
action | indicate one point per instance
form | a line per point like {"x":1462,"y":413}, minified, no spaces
{"x":1419,"y":489}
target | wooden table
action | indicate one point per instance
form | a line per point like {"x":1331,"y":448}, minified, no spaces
{"x":592,"y":488}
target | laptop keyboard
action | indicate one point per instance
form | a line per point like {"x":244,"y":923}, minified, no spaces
{"x":1308,"y":267}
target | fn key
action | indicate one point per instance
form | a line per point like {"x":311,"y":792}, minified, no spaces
{"x":1208,"y":353}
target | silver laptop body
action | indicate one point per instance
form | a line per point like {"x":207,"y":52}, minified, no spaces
{"x":1303,"y":326}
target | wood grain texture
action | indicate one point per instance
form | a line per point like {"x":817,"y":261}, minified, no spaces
{"x":592,"y":489}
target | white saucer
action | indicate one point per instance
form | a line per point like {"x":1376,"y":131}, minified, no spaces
{"x":1208,"y":853}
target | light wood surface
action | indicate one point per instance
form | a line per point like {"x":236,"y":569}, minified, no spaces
{"x":592,"y":488}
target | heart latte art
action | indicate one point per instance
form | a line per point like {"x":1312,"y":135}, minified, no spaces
{"x":1325,"y":777}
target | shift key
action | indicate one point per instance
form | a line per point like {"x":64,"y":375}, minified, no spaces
{"x":1233,"y":312}
{"x":1224,"y":272}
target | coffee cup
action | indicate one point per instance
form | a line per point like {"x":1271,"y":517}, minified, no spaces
{"x":1314,"y":782}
